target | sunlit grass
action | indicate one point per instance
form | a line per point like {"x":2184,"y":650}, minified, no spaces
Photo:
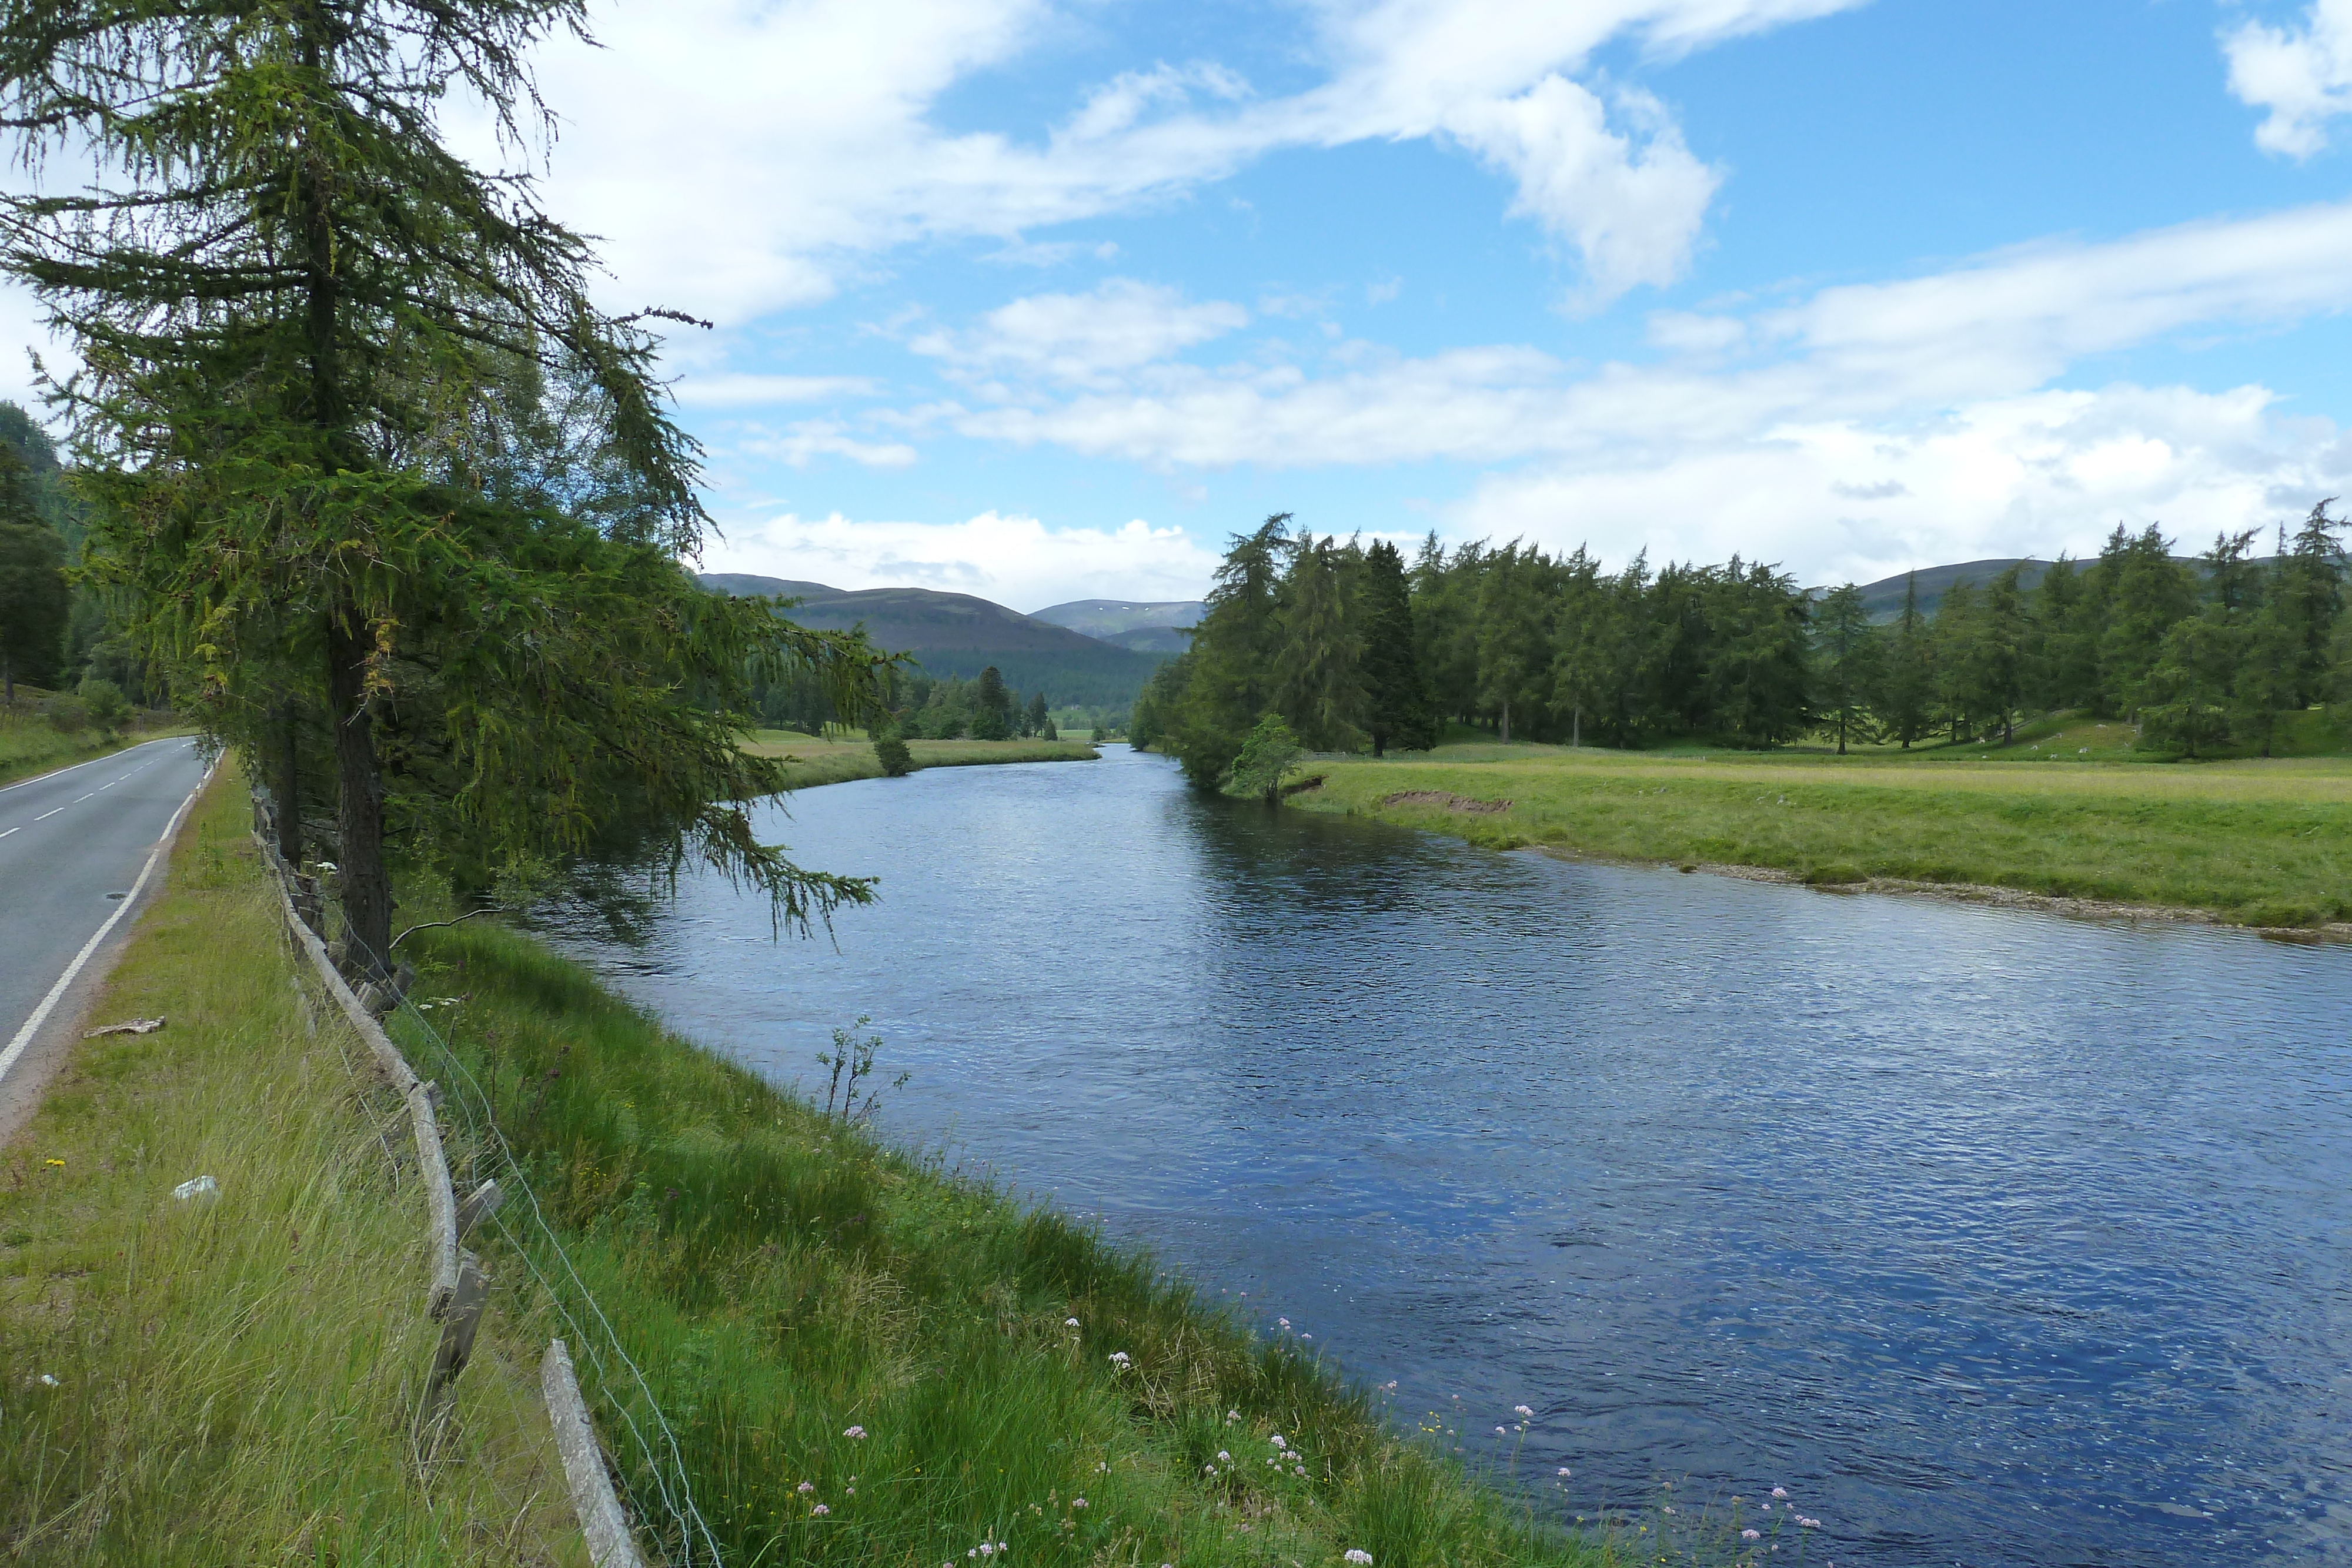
{"x":232,"y":1378}
{"x":2265,"y":842}
{"x":835,"y":760}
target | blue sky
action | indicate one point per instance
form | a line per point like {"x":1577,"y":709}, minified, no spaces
{"x":1042,"y":300}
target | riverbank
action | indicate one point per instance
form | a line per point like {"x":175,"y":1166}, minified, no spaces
{"x":230,"y":1374}
{"x":2266,"y":844}
{"x":814,"y":761}
{"x":865,"y":1358}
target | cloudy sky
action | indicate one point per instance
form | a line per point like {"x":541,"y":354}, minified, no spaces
{"x":1041,"y":299}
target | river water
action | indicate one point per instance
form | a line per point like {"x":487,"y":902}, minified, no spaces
{"x":1993,"y":1237}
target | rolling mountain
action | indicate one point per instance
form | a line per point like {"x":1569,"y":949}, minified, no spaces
{"x":1884,"y":597}
{"x":1147,"y":627}
{"x":958,"y":634}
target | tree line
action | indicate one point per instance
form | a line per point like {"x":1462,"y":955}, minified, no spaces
{"x":1352,"y":649}
{"x":372,"y":486}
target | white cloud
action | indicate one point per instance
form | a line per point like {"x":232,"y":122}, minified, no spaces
{"x":1634,"y":211}
{"x":740,"y":391}
{"x":1082,"y":337}
{"x":1012,"y":559}
{"x":742,"y":157}
{"x":2003,"y":326}
{"x":804,"y":442}
{"x":2034,"y":473}
{"x":2302,"y":75}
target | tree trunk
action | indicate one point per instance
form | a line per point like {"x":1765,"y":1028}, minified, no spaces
{"x":359,"y":804}
{"x":1576,"y":727}
{"x":1841,"y":732}
{"x":1505,"y":735}
{"x":290,"y":788}
{"x":7,"y":681}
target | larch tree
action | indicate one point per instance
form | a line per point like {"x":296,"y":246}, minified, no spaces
{"x":1319,"y":677}
{"x":357,"y":433}
{"x":1397,"y":693}
{"x":1846,"y":649}
{"x":1904,"y":692}
{"x":34,"y":598}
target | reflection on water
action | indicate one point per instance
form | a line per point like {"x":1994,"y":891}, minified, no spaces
{"x":1996,"y":1239}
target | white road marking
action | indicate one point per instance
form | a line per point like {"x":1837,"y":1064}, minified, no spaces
{"x":16,"y":1047}
{"x":78,"y":799}
{"x":47,"y":815}
{"x":11,"y":831}
{"x":93,"y":762}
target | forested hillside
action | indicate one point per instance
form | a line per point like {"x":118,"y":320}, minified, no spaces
{"x":1148,"y":626}
{"x":951,"y":637}
{"x":1349,"y":648}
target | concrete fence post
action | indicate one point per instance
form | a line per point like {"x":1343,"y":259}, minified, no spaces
{"x":601,"y":1522}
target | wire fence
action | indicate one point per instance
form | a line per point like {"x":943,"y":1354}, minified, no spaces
{"x":465,"y":1133}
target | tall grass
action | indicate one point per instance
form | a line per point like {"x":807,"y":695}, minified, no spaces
{"x":2262,"y":843}
{"x":29,"y":744}
{"x":228,"y":1382}
{"x":868,"y":1361}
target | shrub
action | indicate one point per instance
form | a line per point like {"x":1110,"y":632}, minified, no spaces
{"x":108,"y":707}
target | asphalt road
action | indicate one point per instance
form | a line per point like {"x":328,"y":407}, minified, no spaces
{"x":66,"y":841}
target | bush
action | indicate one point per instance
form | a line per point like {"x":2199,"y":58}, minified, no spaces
{"x":107,"y":706}
{"x":891,"y":752}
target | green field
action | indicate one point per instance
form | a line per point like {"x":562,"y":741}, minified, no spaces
{"x":2261,"y":842}
{"x":232,"y":1378}
{"x":836,"y":760}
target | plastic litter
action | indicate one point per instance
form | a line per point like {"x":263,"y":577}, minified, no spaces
{"x":201,"y":1186}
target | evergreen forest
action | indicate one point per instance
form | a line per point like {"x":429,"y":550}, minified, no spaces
{"x":1352,"y":648}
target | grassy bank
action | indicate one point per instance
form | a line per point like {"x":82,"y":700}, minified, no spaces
{"x":834,"y":761}
{"x":232,"y":1378}
{"x":2265,"y":844}
{"x":30,"y":744}
{"x":868,"y":1361}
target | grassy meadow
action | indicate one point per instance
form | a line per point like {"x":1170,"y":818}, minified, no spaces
{"x":2057,"y":813}
{"x":232,"y":1378}
{"x":832,"y":760}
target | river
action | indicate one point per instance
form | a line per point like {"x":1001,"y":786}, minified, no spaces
{"x":1994,"y":1238}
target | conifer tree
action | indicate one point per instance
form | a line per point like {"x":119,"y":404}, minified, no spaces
{"x":2064,"y":668}
{"x":34,"y":598}
{"x":1846,"y":650}
{"x":1905,"y":689}
{"x":1319,"y":685}
{"x":1396,"y":700}
{"x":2146,"y":593}
{"x":1229,"y":675}
{"x":992,"y":706}
{"x":2309,"y":593}
{"x":357,"y":432}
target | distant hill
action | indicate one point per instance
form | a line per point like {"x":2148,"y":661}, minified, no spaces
{"x":1884,"y":597}
{"x":958,"y":634}
{"x":1146,"y":626}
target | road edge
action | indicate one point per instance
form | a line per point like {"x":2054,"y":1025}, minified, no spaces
{"x":30,"y":1061}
